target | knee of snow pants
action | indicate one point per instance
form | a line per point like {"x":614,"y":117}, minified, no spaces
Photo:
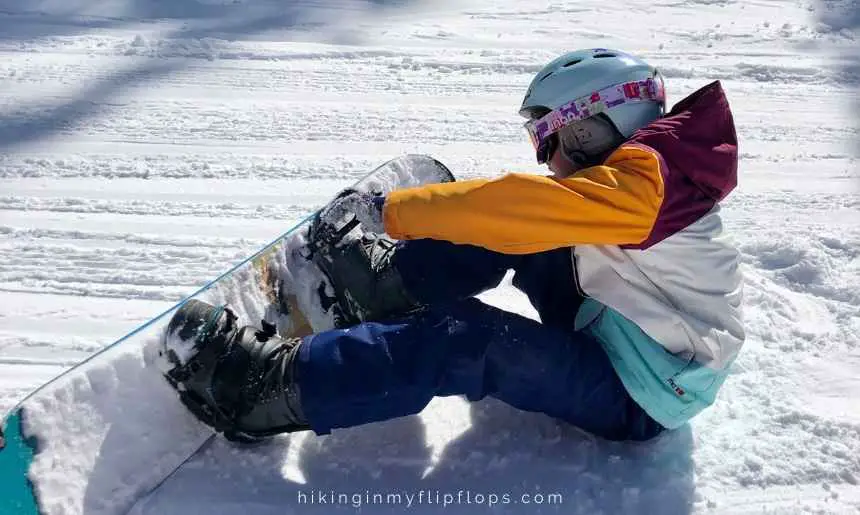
{"x":547,"y":279}
{"x":378,"y":371}
{"x":435,"y":271}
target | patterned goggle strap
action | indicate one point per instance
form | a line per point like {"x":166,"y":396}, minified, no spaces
{"x":648,"y":90}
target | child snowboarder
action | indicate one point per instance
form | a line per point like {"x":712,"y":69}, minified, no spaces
{"x":622,"y":253}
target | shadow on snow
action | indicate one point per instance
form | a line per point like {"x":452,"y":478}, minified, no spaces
{"x":841,"y":18}
{"x":505,"y":452}
{"x":241,"y":19}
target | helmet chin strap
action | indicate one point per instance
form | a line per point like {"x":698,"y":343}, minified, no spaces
{"x":578,"y":159}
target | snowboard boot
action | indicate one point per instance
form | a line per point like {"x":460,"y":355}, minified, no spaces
{"x":238,"y":380}
{"x":366,"y":283}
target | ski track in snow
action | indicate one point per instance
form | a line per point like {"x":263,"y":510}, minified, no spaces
{"x":145,"y":147}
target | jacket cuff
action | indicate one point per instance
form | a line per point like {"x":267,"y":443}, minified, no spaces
{"x":390,"y":221}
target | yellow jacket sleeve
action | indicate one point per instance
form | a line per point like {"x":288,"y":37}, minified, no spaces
{"x":615,"y":203}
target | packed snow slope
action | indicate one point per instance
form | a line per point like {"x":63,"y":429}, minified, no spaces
{"x":148,"y":145}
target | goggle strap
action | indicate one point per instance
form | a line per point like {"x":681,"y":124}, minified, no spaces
{"x":648,"y":90}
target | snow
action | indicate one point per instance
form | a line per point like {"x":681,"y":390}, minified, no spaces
{"x":130,"y":459}
{"x":146,"y":146}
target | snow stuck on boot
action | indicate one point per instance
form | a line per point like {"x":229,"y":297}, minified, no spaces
{"x":190,"y":326}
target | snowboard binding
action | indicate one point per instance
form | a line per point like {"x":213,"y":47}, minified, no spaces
{"x":330,"y":227}
{"x":359,"y":267}
{"x":237,"y":380}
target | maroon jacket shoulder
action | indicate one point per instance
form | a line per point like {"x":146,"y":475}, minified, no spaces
{"x":697,"y":138}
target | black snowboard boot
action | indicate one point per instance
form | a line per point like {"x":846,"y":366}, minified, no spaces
{"x":360,"y":267}
{"x":366,"y":283}
{"x":238,"y":380}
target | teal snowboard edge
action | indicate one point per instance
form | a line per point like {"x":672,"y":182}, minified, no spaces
{"x":16,"y":492}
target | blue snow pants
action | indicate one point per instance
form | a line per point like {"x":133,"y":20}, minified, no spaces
{"x":461,"y":346}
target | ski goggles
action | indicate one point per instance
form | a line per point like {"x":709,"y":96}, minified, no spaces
{"x":542,"y":129}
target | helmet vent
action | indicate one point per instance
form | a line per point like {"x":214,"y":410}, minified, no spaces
{"x":598,"y":56}
{"x":575,"y":61}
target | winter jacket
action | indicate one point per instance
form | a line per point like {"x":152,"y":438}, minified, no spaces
{"x":662,"y":280}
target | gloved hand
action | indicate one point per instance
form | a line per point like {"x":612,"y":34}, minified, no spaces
{"x":366,"y":207}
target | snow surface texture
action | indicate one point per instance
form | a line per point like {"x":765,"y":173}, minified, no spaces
{"x":146,"y":146}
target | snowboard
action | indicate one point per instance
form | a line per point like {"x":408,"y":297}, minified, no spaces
{"x":110,"y":430}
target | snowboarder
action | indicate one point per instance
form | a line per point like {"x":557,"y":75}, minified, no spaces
{"x":621,"y":251}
